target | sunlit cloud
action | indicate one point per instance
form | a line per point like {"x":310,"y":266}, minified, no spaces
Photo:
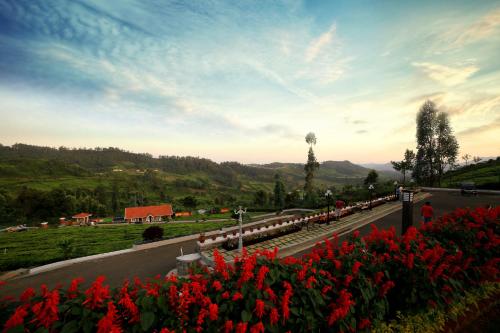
{"x":446,"y":75}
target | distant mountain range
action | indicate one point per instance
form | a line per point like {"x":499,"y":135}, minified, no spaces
{"x":46,"y":168}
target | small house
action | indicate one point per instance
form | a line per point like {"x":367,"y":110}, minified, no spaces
{"x":148,"y":214}
{"x":181,"y":214}
{"x":82,"y":218}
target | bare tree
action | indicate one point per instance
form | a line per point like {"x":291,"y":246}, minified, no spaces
{"x":466,"y":158}
{"x":476,"y":159}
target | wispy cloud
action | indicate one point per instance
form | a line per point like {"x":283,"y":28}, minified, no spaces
{"x":492,"y":126}
{"x":449,"y":76}
{"x":320,"y":43}
{"x":483,"y":28}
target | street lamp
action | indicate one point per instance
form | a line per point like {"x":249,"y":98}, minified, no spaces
{"x":370,"y":189}
{"x":328,"y":195}
{"x":240,"y":212}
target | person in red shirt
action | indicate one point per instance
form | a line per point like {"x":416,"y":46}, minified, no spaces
{"x":427,"y":212}
{"x":339,"y":204}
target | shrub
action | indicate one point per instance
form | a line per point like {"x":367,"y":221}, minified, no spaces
{"x":338,"y":287}
{"x":66,"y":247}
{"x":152,"y":233}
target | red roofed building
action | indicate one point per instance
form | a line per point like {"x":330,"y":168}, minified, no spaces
{"x":148,"y":214}
{"x":82,"y":218}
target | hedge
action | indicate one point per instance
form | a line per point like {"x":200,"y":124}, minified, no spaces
{"x":339,"y":287}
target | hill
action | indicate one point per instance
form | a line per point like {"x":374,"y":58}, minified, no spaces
{"x":485,"y":174}
{"x":105,"y":180}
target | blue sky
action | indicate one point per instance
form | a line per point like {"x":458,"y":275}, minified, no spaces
{"x":246,"y":80}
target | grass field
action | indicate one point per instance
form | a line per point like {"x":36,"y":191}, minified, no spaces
{"x":40,"y":246}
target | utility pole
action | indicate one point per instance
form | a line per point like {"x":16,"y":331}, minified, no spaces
{"x":240,"y":212}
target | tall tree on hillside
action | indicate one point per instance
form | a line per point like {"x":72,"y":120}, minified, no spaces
{"x":371,"y":178}
{"x":476,"y":159}
{"x":115,"y":205}
{"x":437,"y":147}
{"x":311,"y":166}
{"x":446,"y":145}
{"x":279,"y":192}
{"x":406,"y":164}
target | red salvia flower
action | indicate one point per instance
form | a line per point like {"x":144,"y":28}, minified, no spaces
{"x":271,"y":295}
{"x":130,"y":307}
{"x":166,"y":330}
{"x":217,"y":285}
{"x":257,"y":328}
{"x":261,"y":275}
{"x":364,"y":323}
{"x":259,"y":308}
{"x":225,"y":295}
{"x":17,"y":318}
{"x":73,"y":288}
{"x":213,"y":311}
{"x":96,"y":295}
{"x":220,"y":265}
{"x":109,"y":323}
{"x":46,"y":311}
{"x":355,"y":267}
{"x":228,"y":326}
{"x":237,"y":296}
{"x":27,"y":295}
{"x":386,"y":287}
{"x":273,"y":316}
{"x":241,"y":327}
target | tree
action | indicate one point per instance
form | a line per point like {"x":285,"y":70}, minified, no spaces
{"x":260,"y":198}
{"x":476,"y":159}
{"x":371,"y":178}
{"x":115,"y":205}
{"x":466,"y":158}
{"x":189,"y":202}
{"x":446,"y":145}
{"x":406,"y":164}
{"x":279,"y":192}
{"x":311,"y":166}
{"x":437,"y":147}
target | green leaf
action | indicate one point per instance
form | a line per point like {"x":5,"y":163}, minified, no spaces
{"x":147,"y":319}
{"x":70,"y":327}
{"x":246,"y":316}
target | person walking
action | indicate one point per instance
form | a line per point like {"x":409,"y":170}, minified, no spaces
{"x":339,"y":204}
{"x":427,"y":212}
{"x":400,"y":193}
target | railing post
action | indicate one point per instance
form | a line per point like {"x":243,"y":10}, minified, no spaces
{"x":407,"y":218}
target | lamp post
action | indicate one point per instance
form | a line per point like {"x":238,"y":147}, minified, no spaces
{"x":396,"y":189}
{"x":328,"y":195}
{"x":370,"y":189}
{"x":240,"y":212}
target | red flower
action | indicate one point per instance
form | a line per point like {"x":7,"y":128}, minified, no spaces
{"x":228,"y":326}
{"x":166,"y":330}
{"x":364,"y":323}
{"x":378,"y":277}
{"x":273,"y":316}
{"x":241,"y":327}
{"x":17,"y":318}
{"x":46,"y":311}
{"x":341,"y":307}
{"x":355,"y":267}
{"x":257,"y":328}
{"x":355,"y":234}
{"x":96,"y":294}
{"x":385,"y":288}
{"x":259,"y":308}
{"x":310,"y":281}
{"x":225,"y":295}
{"x":270,"y":293}
{"x":237,"y":296}
{"x":73,"y":288}
{"x":130,"y":307}
{"x":213,"y":311}
{"x":261,"y":275}
{"x":347,"y":281}
{"x":109,"y":323}
{"x":217,"y":285}
{"x":27,"y":295}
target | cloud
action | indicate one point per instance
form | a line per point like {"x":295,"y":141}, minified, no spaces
{"x":437,"y":97}
{"x":481,"y":29}
{"x":492,"y":126}
{"x":361,"y":131}
{"x":448,"y":76}
{"x":320,"y":43}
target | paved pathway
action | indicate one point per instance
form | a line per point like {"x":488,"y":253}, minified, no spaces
{"x":148,"y":263}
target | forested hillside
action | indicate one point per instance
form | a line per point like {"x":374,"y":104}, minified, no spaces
{"x":486,"y":175}
{"x":45,"y":183}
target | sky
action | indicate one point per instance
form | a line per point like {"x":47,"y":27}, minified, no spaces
{"x":247,"y":80}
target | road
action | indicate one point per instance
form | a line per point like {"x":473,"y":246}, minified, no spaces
{"x":160,"y":260}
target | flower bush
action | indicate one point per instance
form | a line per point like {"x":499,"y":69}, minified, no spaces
{"x":339,"y":287}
